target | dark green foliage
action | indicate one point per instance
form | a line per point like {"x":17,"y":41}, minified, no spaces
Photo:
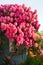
{"x":32,"y":61}
{"x":6,"y":61}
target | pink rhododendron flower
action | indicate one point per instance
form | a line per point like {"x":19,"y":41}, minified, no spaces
{"x":30,"y":41}
{"x":3,"y":26}
{"x":19,"y":23}
{"x":35,"y":36}
{"x":41,"y":37}
{"x":35,"y":45}
{"x":11,"y":14}
{"x":12,"y":63}
{"x":41,"y":52}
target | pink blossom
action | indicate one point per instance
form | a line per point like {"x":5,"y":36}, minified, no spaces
{"x":35,"y":45}
{"x":13,"y":63}
{"x":11,"y":19}
{"x":31,"y":42}
{"x":20,"y":24}
{"x":3,"y":26}
{"x":41,"y":37}
{"x":8,"y":18}
{"x":11,"y":14}
{"x":41,"y":52}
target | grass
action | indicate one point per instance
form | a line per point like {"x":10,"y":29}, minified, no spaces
{"x":32,"y":61}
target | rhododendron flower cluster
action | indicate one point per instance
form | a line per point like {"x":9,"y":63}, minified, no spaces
{"x":19,"y":23}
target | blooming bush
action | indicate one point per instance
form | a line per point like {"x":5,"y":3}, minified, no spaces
{"x":19,"y":23}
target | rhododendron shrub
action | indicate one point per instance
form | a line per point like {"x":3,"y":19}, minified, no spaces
{"x":19,"y":23}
